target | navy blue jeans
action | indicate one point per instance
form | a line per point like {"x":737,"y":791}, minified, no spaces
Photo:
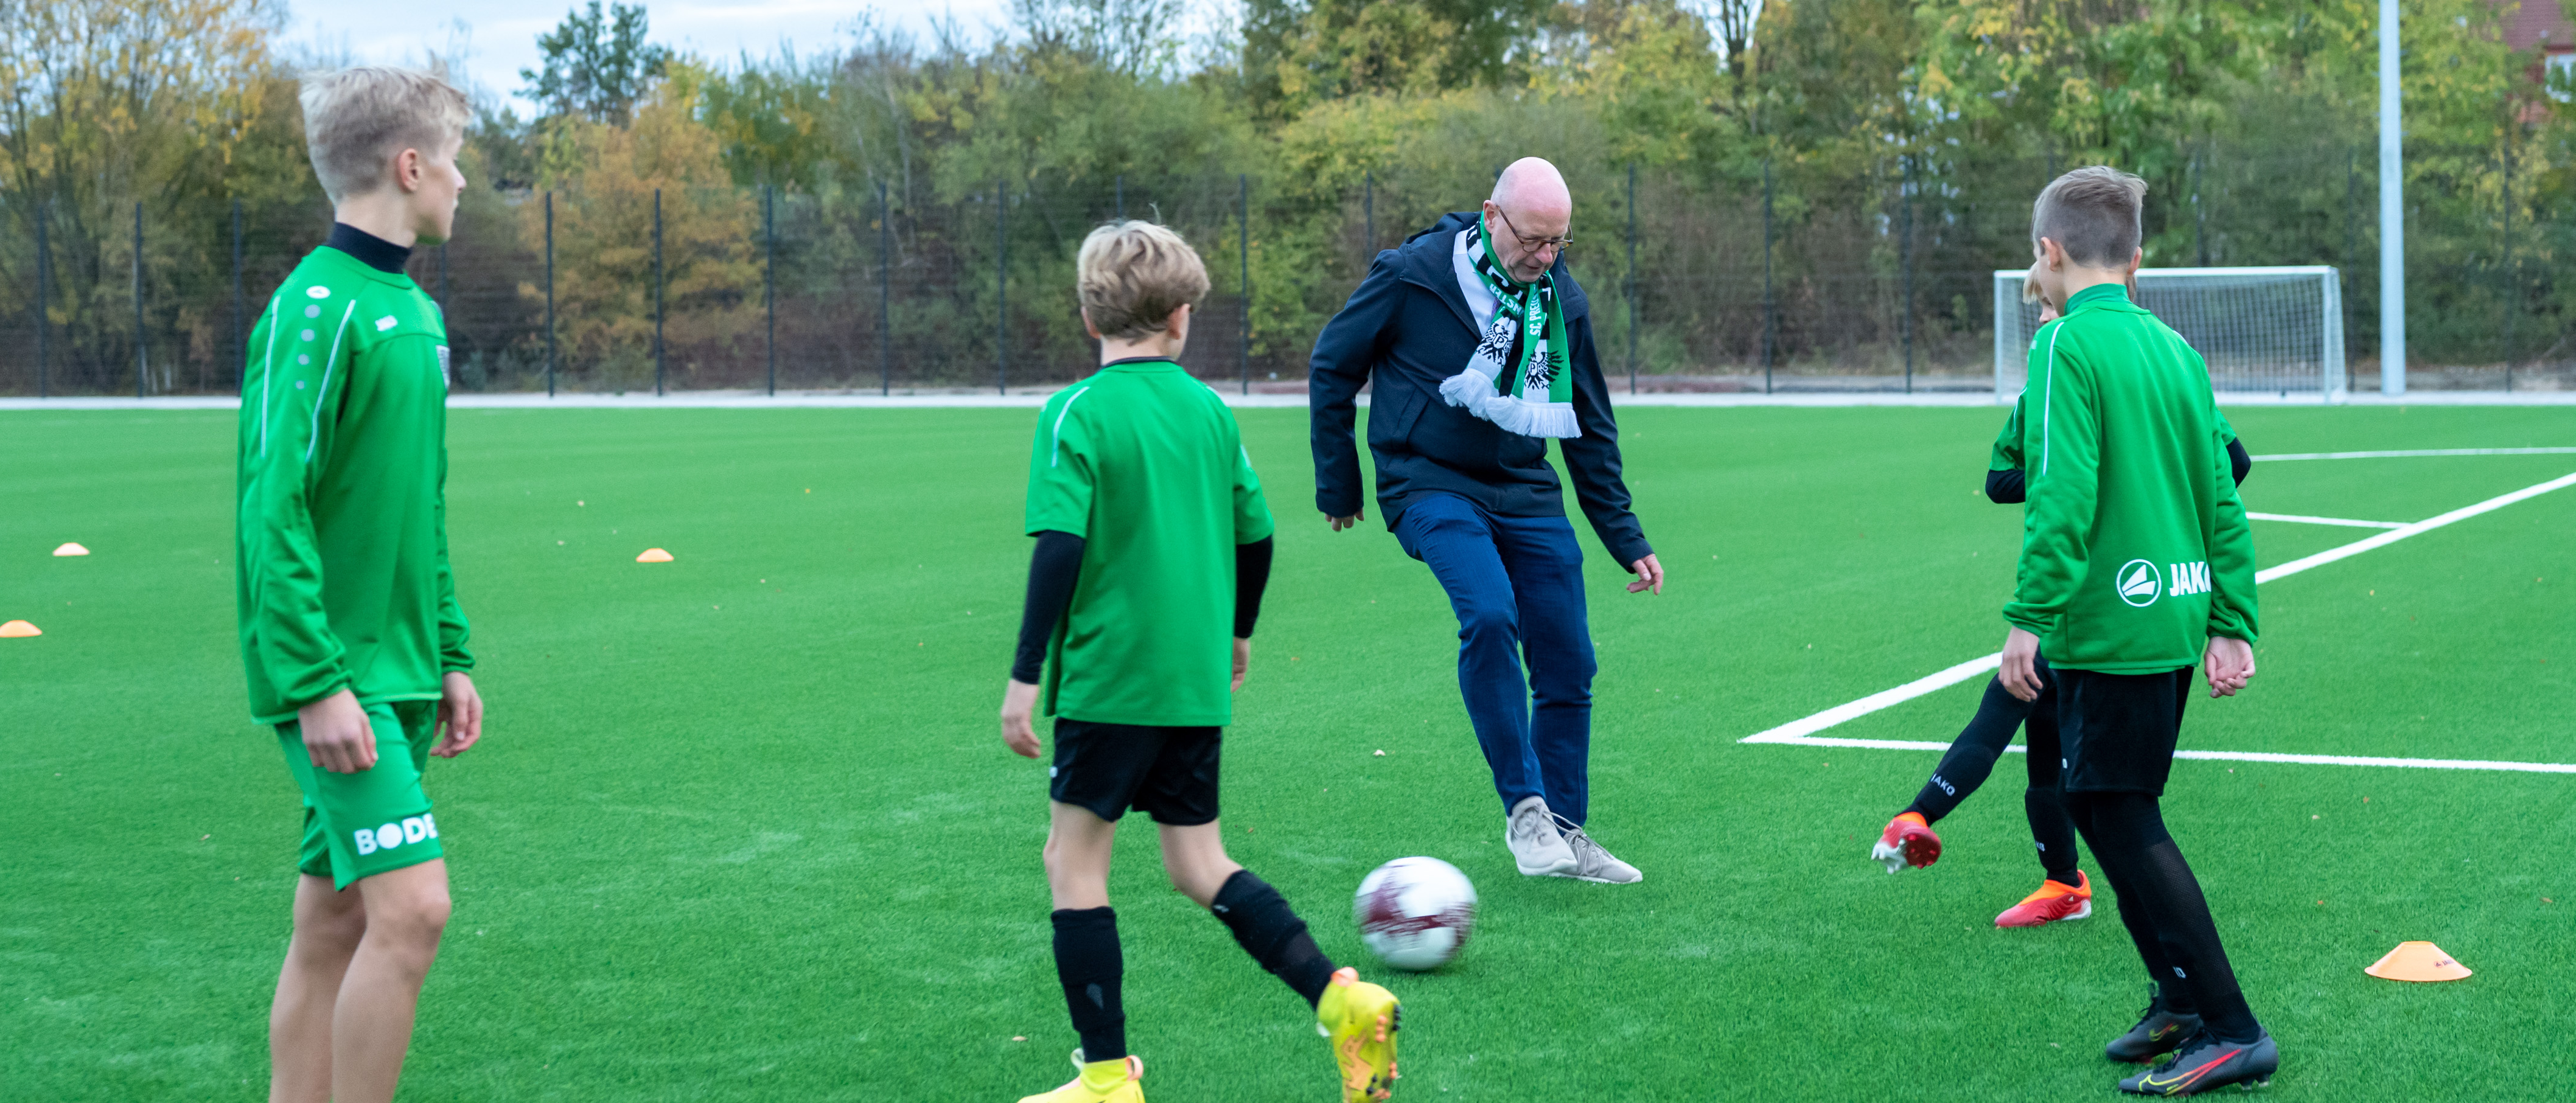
{"x":1516,"y":584}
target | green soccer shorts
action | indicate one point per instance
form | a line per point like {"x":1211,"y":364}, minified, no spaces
{"x":376,"y":820}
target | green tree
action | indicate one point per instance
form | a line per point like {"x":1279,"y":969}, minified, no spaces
{"x":595,"y":64}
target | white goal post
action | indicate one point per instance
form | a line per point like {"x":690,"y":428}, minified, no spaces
{"x":2262,"y":330}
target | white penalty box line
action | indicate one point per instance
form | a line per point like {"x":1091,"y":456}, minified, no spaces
{"x":1802,"y":731}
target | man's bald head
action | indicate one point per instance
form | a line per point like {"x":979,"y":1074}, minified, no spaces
{"x":1533,"y":206}
{"x":1532,"y":184}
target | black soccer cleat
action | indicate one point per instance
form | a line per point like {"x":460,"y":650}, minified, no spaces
{"x":2204,"y":1062}
{"x":2158,"y":1032}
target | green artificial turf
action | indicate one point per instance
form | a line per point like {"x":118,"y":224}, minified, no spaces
{"x":742,"y":827}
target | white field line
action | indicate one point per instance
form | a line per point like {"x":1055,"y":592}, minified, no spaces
{"x":2415,"y":452}
{"x":2325,"y":521}
{"x":1802,"y":731}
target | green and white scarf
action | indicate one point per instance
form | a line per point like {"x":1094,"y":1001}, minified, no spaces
{"x":1524,"y":348}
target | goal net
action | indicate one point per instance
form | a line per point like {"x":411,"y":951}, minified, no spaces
{"x":2262,"y":330}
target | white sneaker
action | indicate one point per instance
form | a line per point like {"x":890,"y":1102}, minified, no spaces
{"x":1591,"y":863}
{"x":1537,"y":847}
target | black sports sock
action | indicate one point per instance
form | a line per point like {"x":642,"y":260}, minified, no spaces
{"x":2051,"y":833}
{"x":1971,"y":756}
{"x":2130,"y":827}
{"x":1272,"y":934}
{"x":1088,"y":962}
{"x":2134,"y":917}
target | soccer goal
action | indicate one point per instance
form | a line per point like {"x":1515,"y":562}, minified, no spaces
{"x":2262,"y":330}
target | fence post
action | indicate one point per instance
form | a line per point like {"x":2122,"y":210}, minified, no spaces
{"x":1632,"y":277}
{"x":1368,"y":216}
{"x":769,"y":274}
{"x":1770,"y":300}
{"x":44,"y":294}
{"x":550,"y":294}
{"x":1002,"y":287}
{"x":657,"y":292}
{"x":1122,"y":197}
{"x":885,"y":290}
{"x":1905,"y":252}
{"x":241,"y":336}
{"x":140,"y":361}
{"x":2512,"y":284}
{"x":2199,"y":209}
{"x":1243,"y":245}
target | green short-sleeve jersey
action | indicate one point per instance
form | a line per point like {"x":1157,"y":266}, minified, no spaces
{"x":341,"y":573}
{"x":2135,"y":548}
{"x":1147,"y":466}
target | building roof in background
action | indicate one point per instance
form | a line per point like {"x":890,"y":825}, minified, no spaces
{"x":2539,"y":24}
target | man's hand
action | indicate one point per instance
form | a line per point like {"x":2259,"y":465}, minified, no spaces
{"x":337,"y":734}
{"x":1242,"y":660}
{"x":1650,"y":575}
{"x":2229,"y":662}
{"x":460,"y":715}
{"x":1019,"y":706}
{"x":2020,"y":674}
{"x":1340,"y":523}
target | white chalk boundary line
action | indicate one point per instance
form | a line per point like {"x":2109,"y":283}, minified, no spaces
{"x":2250,"y":516}
{"x":2286,"y":456}
{"x":1801,"y":732}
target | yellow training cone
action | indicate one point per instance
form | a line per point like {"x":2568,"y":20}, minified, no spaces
{"x":71,"y":549}
{"x":20,"y":628}
{"x":654,"y":555}
{"x":2417,"y":961}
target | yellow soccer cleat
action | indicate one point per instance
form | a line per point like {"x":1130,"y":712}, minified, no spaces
{"x":1119,"y":1081}
{"x":1361,"y":1020}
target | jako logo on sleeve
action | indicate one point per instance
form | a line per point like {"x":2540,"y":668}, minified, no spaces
{"x":2189,"y":578}
{"x":411,"y":830}
{"x":2138,"y":583}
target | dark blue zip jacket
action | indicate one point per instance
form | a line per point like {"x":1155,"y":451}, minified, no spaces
{"x":1408,"y":327}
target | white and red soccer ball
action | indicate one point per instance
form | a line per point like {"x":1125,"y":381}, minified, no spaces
{"x":1414,"y":913}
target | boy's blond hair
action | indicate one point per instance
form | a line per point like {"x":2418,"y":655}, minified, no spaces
{"x":357,"y":119}
{"x":2092,"y":213}
{"x":1131,"y":275}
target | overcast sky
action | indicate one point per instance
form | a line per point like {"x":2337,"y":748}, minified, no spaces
{"x":499,"y":37}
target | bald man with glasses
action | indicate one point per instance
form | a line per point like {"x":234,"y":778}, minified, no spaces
{"x":1479,"y":344}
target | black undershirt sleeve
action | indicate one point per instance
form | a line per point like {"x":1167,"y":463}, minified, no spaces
{"x":1053,"y":569}
{"x":2238,"y":463}
{"x":1251,"y":575}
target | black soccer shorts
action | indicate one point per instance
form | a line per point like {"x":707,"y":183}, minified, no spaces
{"x":2117,"y":731}
{"x":1167,"y":773}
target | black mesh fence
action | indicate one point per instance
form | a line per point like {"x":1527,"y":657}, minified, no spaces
{"x":1783,"y":276}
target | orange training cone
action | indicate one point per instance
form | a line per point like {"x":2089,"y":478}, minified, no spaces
{"x":71,"y":549}
{"x":2417,"y":961}
{"x":20,"y":628}
{"x":654,"y":555}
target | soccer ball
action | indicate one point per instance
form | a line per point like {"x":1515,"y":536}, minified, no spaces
{"x":1414,"y":913}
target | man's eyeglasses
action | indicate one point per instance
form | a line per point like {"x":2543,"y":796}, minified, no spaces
{"x":1560,"y":244}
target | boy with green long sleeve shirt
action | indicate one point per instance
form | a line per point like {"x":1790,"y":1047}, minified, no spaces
{"x":352,"y":640}
{"x":2136,"y":564}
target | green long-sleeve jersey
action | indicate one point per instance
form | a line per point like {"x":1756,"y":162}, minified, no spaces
{"x":341,"y":537}
{"x":2135,"y":548}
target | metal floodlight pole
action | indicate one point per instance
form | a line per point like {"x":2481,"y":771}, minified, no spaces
{"x":1001,"y":288}
{"x":44,"y":295}
{"x":1770,"y":302}
{"x":1632,"y":277}
{"x":2512,"y":284}
{"x":241,"y":336}
{"x":1243,"y":245}
{"x":657,"y":292}
{"x":550,"y":294}
{"x":1368,"y":215}
{"x":140,"y":362}
{"x":1122,"y":197}
{"x":2392,"y":211}
{"x":885,"y":290}
{"x":1905,"y":251}
{"x":769,"y":274}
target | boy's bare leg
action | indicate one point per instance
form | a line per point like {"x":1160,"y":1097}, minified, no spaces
{"x":1077,"y":856}
{"x":1195,"y":858}
{"x":328,"y":925}
{"x":406,"y":912}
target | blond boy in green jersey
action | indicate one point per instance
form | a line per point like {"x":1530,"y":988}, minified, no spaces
{"x":2136,"y":565}
{"x":351,"y":636}
{"x":1153,"y":545}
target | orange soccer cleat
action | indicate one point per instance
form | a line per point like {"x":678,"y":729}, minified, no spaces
{"x":2054,"y":901}
{"x":1907,"y":841}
